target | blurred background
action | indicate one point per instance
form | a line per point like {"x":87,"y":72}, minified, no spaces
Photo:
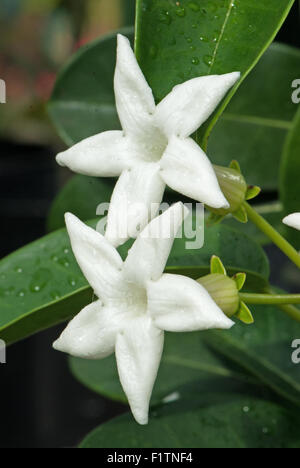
{"x":41,"y":404}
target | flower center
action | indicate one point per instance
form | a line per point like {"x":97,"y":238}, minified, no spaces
{"x":153,"y":145}
{"x":136,"y":301}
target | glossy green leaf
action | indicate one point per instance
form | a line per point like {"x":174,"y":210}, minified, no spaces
{"x":185,"y":359}
{"x":83,"y":103}
{"x":290,"y":177}
{"x":264,"y":350}
{"x":41,"y":284}
{"x":204,"y":418}
{"x":254,"y":126}
{"x":177,"y":41}
{"x":80,"y":196}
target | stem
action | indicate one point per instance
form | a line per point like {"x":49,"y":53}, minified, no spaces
{"x":291,"y":311}
{"x":270,"y":299}
{"x":274,"y":235}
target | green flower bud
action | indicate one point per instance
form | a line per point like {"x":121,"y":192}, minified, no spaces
{"x":224,"y":292}
{"x":235,"y":190}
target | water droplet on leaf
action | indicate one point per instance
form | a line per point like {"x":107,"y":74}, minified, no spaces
{"x":207,"y":60}
{"x":180,"y":11}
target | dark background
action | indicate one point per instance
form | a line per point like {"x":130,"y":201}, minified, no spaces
{"x":41,"y":404}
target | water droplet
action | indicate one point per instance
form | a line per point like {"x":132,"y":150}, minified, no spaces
{"x":189,"y":40}
{"x":194,"y":26}
{"x":165,"y":17}
{"x":55,"y":295}
{"x":265,"y":430}
{"x":72,"y":282}
{"x":64,"y":262}
{"x":180,"y":11}
{"x":246,"y":409}
{"x":19,"y":270}
{"x":195,"y":61}
{"x":207,"y":60}
{"x":40,"y":280}
{"x":194,"y":6}
{"x":21,"y":293}
{"x":54,"y":258}
{"x":203,"y":39}
{"x":9,"y":291}
{"x":66,"y":250}
{"x":153,"y":51}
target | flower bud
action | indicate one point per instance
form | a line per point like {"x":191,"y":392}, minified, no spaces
{"x":224,"y":292}
{"x":235,"y":190}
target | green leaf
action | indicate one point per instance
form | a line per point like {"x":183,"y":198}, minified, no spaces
{"x":179,"y":41}
{"x":83,"y":103}
{"x":204,"y":418}
{"x":80,"y":196}
{"x":290,"y":176}
{"x":254,"y":126}
{"x":185,"y":359}
{"x":264,"y":350}
{"x":41,"y":284}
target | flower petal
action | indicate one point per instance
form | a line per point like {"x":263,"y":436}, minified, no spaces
{"x":187,"y":169}
{"x":97,"y":258}
{"x":136,"y":192}
{"x":293,"y":220}
{"x":178,"y":304}
{"x":190,"y":104}
{"x":103,"y":155}
{"x":148,"y":256}
{"x":138,"y":353}
{"x":134,"y":98}
{"x":92,"y":333}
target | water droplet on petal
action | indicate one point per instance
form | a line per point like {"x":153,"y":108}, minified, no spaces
{"x":195,"y":61}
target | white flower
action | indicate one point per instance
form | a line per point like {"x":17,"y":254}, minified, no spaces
{"x":137,"y":302}
{"x":154,"y":148}
{"x":293,"y":220}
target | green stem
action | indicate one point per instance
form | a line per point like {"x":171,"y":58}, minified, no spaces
{"x":270,"y":299}
{"x":291,"y":311}
{"x":274,"y":235}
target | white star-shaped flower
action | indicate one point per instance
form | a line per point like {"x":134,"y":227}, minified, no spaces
{"x":137,"y":302}
{"x":154,"y":148}
{"x":293,"y":220}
